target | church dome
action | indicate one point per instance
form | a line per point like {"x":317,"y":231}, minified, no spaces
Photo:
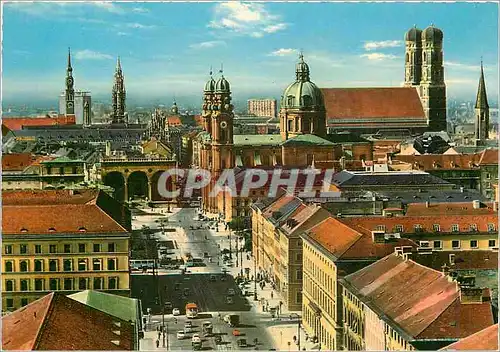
{"x":222,"y":85}
{"x":174,"y":109}
{"x":210,"y":85}
{"x":432,"y":34}
{"x":413,"y":35}
{"x":302,"y":94}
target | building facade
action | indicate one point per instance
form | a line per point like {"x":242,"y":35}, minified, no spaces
{"x":62,"y":241}
{"x":262,"y":107}
{"x":82,"y":107}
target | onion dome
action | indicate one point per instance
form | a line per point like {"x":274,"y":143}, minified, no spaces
{"x":413,"y":35}
{"x":302,"y":94}
{"x":432,"y":34}
{"x":174,"y":109}
{"x":222,"y":85}
{"x":210,"y":85}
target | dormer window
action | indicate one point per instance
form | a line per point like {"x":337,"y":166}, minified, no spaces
{"x":473,"y":227}
{"x":417,"y":227}
{"x":82,"y":229}
{"x":23,"y":229}
{"x":290,"y":100}
{"x":52,"y":229}
{"x":491,"y":227}
{"x":380,"y":228}
{"x":398,"y":228}
{"x":436,"y":227}
{"x":454,"y":228}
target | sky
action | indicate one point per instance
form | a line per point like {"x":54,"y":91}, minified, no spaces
{"x":167,"y":49}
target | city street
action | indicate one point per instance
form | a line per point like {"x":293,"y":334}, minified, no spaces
{"x":207,"y":286}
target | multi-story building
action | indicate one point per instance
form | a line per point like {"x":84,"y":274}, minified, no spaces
{"x":332,"y":250}
{"x":277,"y":246}
{"x":62,"y":241}
{"x":396,"y":304}
{"x":262,"y":107}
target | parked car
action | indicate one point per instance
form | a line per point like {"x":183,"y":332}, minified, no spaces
{"x":242,"y":343}
{"x":188,"y":327}
{"x":168,"y":305}
{"x":212,"y":278}
{"x":229,"y":300}
{"x":181,"y":334}
{"x":176,"y":311}
{"x":231,"y":292}
{"x":218,"y":339}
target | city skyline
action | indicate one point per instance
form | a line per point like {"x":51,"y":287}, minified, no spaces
{"x":167,"y":49}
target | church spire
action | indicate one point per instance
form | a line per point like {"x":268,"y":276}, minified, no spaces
{"x":118,"y":95}
{"x":482,"y":99}
{"x":70,"y":91}
{"x":69,"y":69}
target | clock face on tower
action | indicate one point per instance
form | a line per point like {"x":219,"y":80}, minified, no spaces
{"x":223,"y":124}
{"x":70,"y":104}
{"x":69,"y":80}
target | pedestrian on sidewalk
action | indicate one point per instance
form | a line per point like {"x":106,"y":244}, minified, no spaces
{"x":158,"y":343}
{"x":272,"y":295}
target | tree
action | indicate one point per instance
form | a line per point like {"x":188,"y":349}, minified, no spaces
{"x":237,"y":224}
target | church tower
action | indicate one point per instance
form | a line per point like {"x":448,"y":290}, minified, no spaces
{"x":482,"y":112}
{"x":413,"y":57}
{"x":432,"y":86}
{"x":70,"y":91}
{"x":118,"y":95}
{"x":222,"y":117}
{"x":208,"y":96}
{"x":302,"y":108}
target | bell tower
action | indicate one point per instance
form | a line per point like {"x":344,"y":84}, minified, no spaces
{"x":70,"y":91}
{"x":413,"y":57}
{"x":118,"y":95}
{"x":208,"y":96}
{"x":482,"y":112}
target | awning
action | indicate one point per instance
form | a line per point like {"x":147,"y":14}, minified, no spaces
{"x":239,"y":162}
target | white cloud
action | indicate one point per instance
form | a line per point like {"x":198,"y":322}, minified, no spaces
{"x":138,"y":25}
{"x":379,"y":56}
{"x":108,"y":6}
{"x":91,"y":55}
{"x":460,"y":66}
{"x":140,"y":10}
{"x":122,"y":33}
{"x":207,"y":45}
{"x":382,"y":44}
{"x":246,"y":19}
{"x":284,"y":52}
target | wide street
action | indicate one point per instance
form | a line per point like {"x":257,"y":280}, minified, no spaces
{"x":207,"y":286}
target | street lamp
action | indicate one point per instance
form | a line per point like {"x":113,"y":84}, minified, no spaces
{"x":230,"y":249}
{"x":254,"y":278}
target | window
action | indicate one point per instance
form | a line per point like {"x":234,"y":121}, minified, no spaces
{"x":299,"y":257}
{"x":9,"y":303}
{"x":61,"y":171}
{"x":38,"y":284}
{"x":492,"y":243}
{"x":9,"y":267}
{"x":473,"y":227}
{"x":38,"y":248}
{"x":52,"y":248}
{"x":454,"y":228}
{"x":96,"y":264}
{"x":68,"y":265}
{"x":112,"y":283}
{"x":9,"y":285}
{"x":491,"y":227}
{"x":290,"y":125}
{"x":82,"y":264}
{"x":417,"y":228}
{"x":54,"y":284}
{"x":399,"y":228}
{"x":24,"y":302}
{"x":68,"y":284}
{"x":38,"y":265}
{"x":473,"y":243}
{"x":24,"y":285}
{"x":298,"y":297}
{"x":53,"y":265}
{"x":97,"y":247}
{"x":97,"y":283}
{"x":82,"y":283}
{"x":488,"y":176}
{"x":111,"y":247}
{"x":298,"y":275}
{"x":23,"y":266}
{"x":380,"y":228}
{"x":8,"y":249}
{"x":437,"y":245}
{"x":436,"y":227}
{"x":111,"y":264}
{"x":455,"y":244}
{"x":67,"y":248}
{"x":23,"y":248}
{"x":424,"y":244}
{"x":81,"y":248}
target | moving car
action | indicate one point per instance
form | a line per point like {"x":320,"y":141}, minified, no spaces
{"x":181,"y":334}
{"x":188,"y":327}
{"x":196,"y":342}
{"x":207,"y":328}
{"x":242,"y":343}
{"x":176,"y":311}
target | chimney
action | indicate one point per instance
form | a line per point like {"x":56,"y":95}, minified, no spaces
{"x":476,"y":204}
{"x":426,"y":204}
{"x":471,"y":295}
{"x":406,"y":256}
{"x":495,"y":206}
{"x":445,"y":269}
{"x":71,"y":192}
{"x":108,"y":148}
{"x":461,"y":190}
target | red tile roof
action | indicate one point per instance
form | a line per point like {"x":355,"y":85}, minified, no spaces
{"x":368,"y":224}
{"x":16,"y":162}
{"x":17,"y":123}
{"x":434,"y":209}
{"x":486,"y":339}
{"x":450,"y":161}
{"x":56,"y":322}
{"x":174,"y":121}
{"x":489,"y":157}
{"x":375,"y":103}
{"x":48,"y":197}
{"x":199,"y":120}
{"x":464,"y":260}
{"x":421,"y":301}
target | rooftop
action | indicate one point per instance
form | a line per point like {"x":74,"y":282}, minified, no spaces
{"x":458,"y":208}
{"x":16,"y":162}
{"x":56,"y":322}
{"x":365,"y":178}
{"x":256,"y":139}
{"x":486,"y":339}
{"x":307,"y":140}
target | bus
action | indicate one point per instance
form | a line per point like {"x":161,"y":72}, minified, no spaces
{"x":191,"y":310}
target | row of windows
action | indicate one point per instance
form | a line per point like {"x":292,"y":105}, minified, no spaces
{"x":327,"y":340}
{"x":325,"y":279}
{"x":68,"y":284}
{"x":82,"y":265}
{"x":455,"y":244}
{"x":326,"y":300}
{"x":67,"y":248}
{"x":435,"y":228}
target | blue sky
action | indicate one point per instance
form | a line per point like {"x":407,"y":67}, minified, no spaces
{"x":166,"y":49}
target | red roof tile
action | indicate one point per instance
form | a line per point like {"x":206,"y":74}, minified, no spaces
{"x":56,"y":322}
{"x":376,"y":103}
{"x":16,"y":162}
{"x":434,"y":209}
{"x":174,"y":121}
{"x":464,"y":260}
{"x":486,"y":339}
{"x":48,"y":197}
{"x":17,"y":123}
{"x":450,"y":161}
{"x":489,"y":157}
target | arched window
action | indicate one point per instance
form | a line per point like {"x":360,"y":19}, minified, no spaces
{"x":38,"y":265}
{"x":24,"y":266}
{"x":9,"y":285}
{"x":307,"y":100}
{"x":407,"y":57}
{"x":9,"y":267}
{"x":290,"y":100}
{"x":425,"y":57}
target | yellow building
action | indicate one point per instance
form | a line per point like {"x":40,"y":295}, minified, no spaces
{"x":332,"y":250}
{"x":277,"y":246}
{"x":62,"y":241}
{"x":397,"y":304}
